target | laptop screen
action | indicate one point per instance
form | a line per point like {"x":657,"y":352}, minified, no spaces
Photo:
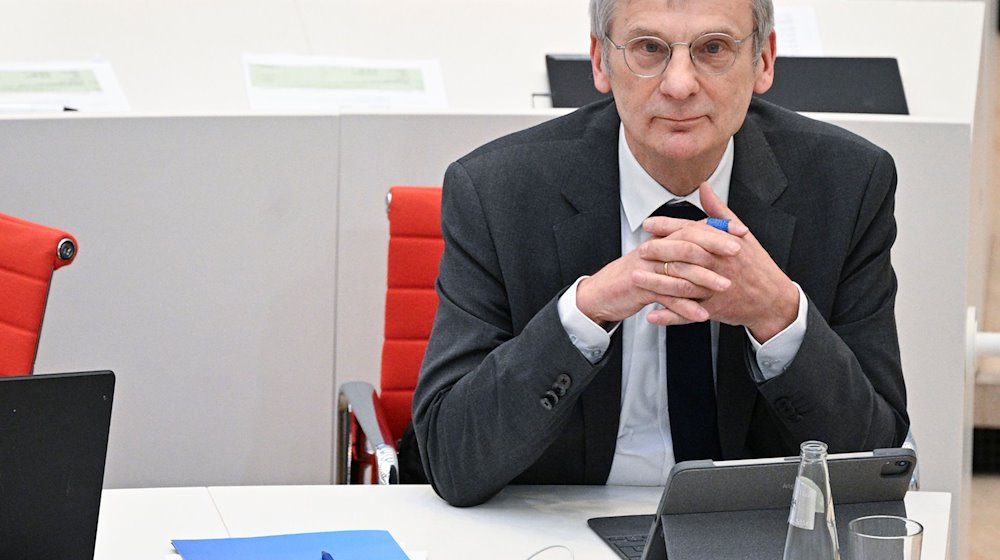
{"x":838,"y":85}
{"x":571,"y":80}
{"x":53,"y":444}
{"x":812,"y":84}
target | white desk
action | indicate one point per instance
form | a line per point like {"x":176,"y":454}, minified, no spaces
{"x":137,"y":524}
{"x":521,"y":520}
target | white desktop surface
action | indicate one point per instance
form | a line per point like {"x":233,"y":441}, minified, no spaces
{"x":513,"y":525}
{"x":138,"y":524}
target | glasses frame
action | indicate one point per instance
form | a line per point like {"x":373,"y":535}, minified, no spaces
{"x":670,"y":51}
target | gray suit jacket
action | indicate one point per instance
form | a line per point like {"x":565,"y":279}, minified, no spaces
{"x":526,"y":215}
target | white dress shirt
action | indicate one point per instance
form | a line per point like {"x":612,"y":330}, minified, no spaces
{"x":644,"y":450}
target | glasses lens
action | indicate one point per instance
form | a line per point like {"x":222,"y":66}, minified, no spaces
{"x":646,"y":56}
{"x":714,"y":53}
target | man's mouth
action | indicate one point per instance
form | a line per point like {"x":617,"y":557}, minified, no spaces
{"x":683,"y":119}
{"x":682,"y":122}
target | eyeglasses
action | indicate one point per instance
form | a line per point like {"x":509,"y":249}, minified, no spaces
{"x":712,"y":53}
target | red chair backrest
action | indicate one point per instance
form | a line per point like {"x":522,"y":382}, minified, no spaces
{"x":415,"y":247}
{"x":29,"y":252}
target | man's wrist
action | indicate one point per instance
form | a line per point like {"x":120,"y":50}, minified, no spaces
{"x":590,"y":339}
{"x":785,"y":311}
{"x":582,"y":304}
{"x":773,"y":357}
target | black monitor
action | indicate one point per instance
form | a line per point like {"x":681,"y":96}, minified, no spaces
{"x":571,"y":80}
{"x":810,"y":84}
{"x":838,"y":85}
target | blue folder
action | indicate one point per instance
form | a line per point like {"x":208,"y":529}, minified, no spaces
{"x":341,"y":545}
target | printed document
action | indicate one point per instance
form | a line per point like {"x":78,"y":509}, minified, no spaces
{"x":286,"y":83}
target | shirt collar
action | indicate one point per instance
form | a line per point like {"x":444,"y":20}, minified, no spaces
{"x":641,"y":194}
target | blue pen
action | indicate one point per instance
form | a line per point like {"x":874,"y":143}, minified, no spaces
{"x":719,"y":223}
{"x":325,"y":556}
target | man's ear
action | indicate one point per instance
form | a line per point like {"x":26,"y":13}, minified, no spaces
{"x":765,"y":65}
{"x":597,"y":64}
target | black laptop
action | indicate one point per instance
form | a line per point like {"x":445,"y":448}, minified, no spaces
{"x":53,"y":443}
{"x":571,"y":80}
{"x":838,"y":85}
{"x":739,"y":509}
{"x":810,"y":84}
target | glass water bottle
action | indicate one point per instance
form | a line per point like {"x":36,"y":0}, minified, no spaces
{"x":812,"y":529}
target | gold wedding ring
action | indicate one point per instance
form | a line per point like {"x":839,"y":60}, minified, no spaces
{"x":665,"y":263}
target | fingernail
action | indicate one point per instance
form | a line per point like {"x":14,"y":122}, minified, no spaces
{"x":724,"y":283}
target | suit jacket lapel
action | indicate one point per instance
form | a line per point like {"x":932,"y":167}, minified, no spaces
{"x":591,"y":238}
{"x":586,"y":242}
{"x":757,"y":182}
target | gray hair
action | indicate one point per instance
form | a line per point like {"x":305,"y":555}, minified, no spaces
{"x":602,"y":11}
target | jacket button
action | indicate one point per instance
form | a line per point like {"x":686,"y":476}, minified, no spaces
{"x":552,"y":396}
{"x":784,"y":406}
{"x":563,"y":381}
{"x":546,"y":403}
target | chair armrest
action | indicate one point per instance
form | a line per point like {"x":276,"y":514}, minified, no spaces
{"x":363,"y":438}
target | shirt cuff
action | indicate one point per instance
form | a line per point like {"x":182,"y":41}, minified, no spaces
{"x":589,"y":338}
{"x":774,"y":356}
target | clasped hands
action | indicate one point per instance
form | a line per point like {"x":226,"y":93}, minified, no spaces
{"x":696,"y":272}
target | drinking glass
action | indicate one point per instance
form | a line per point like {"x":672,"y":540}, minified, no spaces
{"x":884,"y":537}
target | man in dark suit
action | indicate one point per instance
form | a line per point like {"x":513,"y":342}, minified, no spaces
{"x":580,"y":341}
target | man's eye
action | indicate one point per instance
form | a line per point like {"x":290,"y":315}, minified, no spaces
{"x":650,"y":47}
{"x":714,"y":48}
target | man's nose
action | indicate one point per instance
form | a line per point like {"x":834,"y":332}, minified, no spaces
{"x":680,"y":78}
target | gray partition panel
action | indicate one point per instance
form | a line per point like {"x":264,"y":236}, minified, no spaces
{"x":205,"y":280}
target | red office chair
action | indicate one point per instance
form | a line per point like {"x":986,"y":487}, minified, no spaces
{"x":371,"y":423}
{"x":29,"y":253}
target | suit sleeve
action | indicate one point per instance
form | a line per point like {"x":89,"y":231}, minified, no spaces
{"x":845,"y":386}
{"x":483,"y":409}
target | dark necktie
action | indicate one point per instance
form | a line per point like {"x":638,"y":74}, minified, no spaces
{"x":694,"y":427}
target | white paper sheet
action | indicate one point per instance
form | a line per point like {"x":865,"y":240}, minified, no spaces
{"x":81,"y":85}
{"x":798,"y":31}
{"x":290,"y":83}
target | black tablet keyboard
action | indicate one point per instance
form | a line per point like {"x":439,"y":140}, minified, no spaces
{"x":626,"y":534}
{"x":629,"y":548}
